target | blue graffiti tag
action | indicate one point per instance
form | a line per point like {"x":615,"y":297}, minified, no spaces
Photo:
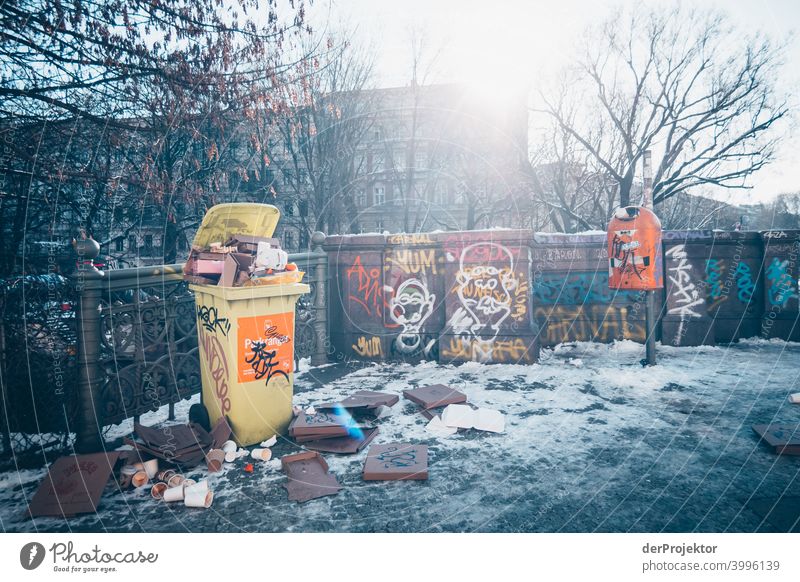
{"x":714,"y":278}
{"x":781,"y":287}
{"x":744,"y":282}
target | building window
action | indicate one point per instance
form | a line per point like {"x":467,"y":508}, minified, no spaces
{"x":378,"y":162}
{"x":182,"y":245}
{"x":420,"y":159}
{"x":288,"y":240}
{"x":376,"y":134}
{"x":148,"y":244}
{"x":379,"y":226}
{"x":378,"y":196}
{"x":399,"y":159}
{"x":361,"y":199}
{"x":303,"y":208}
{"x":119,"y":245}
{"x":288,"y":208}
{"x":132,"y":243}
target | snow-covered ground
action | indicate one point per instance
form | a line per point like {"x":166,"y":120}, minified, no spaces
{"x":593,"y":442}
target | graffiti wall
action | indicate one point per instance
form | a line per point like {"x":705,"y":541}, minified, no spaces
{"x":571,"y":298}
{"x":497,"y":296}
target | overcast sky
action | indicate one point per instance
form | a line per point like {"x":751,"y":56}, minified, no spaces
{"x":500,"y":39}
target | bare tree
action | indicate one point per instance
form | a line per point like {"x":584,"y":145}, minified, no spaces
{"x":684,"y":84}
{"x":314,"y":139}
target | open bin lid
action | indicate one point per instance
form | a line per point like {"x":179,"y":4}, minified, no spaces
{"x":224,"y":220}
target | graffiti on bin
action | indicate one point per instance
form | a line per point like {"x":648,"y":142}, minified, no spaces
{"x":266,"y":347}
{"x":210,"y":319}
{"x":781,"y":288}
{"x":489,"y":292}
{"x":217,"y":366}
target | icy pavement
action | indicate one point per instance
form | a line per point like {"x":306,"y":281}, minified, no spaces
{"x":593,"y":442}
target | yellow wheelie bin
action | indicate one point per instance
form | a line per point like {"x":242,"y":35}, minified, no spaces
{"x":246,"y":334}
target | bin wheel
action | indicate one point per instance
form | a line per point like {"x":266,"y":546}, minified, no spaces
{"x":198,"y":414}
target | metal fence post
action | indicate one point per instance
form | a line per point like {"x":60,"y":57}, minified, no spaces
{"x":88,"y":286}
{"x":320,"y":355}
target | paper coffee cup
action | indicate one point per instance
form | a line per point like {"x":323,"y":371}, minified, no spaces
{"x":175,"y":481}
{"x":261,"y":454}
{"x":189,"y":482}
{"x":214,"y":459}
{"x":173,"y":494}
{"x":126,"y":476}
{"x":165,"y":476}
{"x":201,"y":486}
{"x":140,"y":479}
{"x":198,"y":498}
{"x":229,"y":446}
{"x":157,"y":490}
{"x":231,"y":456}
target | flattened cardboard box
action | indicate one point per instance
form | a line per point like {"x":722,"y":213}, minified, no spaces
{"x":435,"y":395}
{"x":73,"y":485}
{"x":321,"y":424}
{"x":784,"y":438}
{"x":308,"y":477}
{"x":346,"y":445}
{"x":367,"y":399}
{"x":396,"y":461}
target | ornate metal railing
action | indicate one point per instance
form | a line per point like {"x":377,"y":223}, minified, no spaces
{"x":136,"y":341}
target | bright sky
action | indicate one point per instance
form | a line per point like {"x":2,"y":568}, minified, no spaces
{"x":488,"y":42}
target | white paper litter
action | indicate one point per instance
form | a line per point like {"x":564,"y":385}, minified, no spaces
{"x":794,"y":398}
{"x":462,"y":416}
{"x":459,"y":416}
{"x":437,"y":428}
{"x":270,"y":442}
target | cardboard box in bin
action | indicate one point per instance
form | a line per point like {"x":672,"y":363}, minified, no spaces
{"x":245,"y":329}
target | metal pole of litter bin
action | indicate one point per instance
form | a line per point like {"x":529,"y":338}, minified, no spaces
{"x":88,"y":282}
{"x":650,"y":298}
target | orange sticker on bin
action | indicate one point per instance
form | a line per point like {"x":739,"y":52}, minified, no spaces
{"x":265,"y":347}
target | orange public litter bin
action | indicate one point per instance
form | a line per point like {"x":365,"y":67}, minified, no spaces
{"x":634,"y":250}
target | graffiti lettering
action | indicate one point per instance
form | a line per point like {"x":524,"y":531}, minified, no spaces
{"x":263,"y":362}
{"x":575,"y":289}
{"x":413,"y":261}
{"x":683,"y":292}
{"x":410,"y":239}
{"x":624,"y":256}
{"x":217,"y":366}
{"x":368,"y":347}
{"x":744,"y":282}
{"x":597,"y":323}
{"x":781,"y":285}
{"x":369,"y":293}
{"x":512,"y":350}
{"x":210,"y":319}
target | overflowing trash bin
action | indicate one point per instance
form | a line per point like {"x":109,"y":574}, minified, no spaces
{"x":245,"y":294}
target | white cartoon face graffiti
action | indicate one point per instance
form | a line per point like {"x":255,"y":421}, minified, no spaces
{"x":485,"y":292}
{"x":411,"y":305}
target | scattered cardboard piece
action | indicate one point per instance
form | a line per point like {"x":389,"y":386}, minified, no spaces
{"x":783,"y":438}
{"x":435,"y":395}
{"x":794,"y":398}
{"x":220,"y":433}
{"x":437,"y":428}
{"x":73,"y":485}
{"x":363,"y":401}
{"x":396,"y":461}
{"x":346,"y":445}
{"x":320,"y":425}
{"x":308,"y":477}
